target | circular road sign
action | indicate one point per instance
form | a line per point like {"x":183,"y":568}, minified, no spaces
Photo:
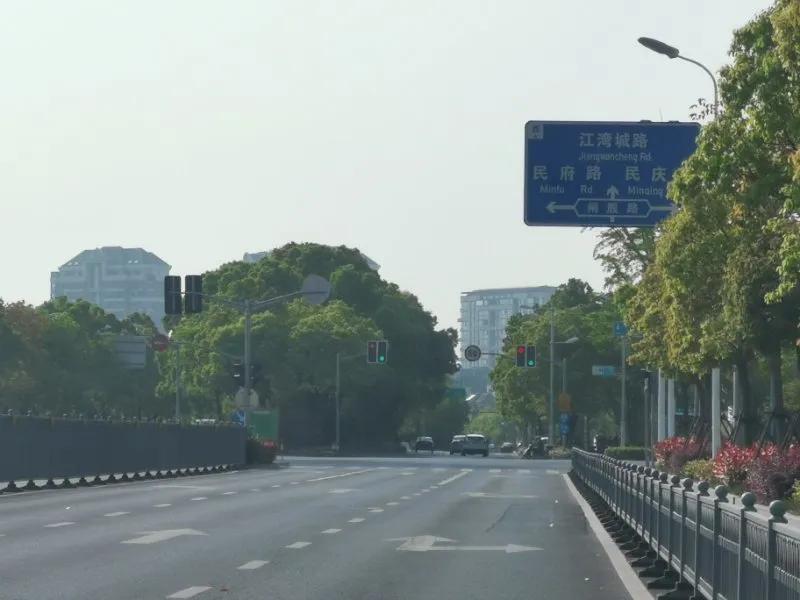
{"x":160,"y":342}
{"x":472,"y":353}
{"x":316,"y":289}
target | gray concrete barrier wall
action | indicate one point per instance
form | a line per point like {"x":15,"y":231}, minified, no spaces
{"x":43,"y":448}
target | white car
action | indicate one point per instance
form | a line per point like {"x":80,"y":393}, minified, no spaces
{"x":475,"y":443}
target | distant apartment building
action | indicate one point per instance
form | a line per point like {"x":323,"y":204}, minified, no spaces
{"x":121,"y":281}
{"x":484,"y":314}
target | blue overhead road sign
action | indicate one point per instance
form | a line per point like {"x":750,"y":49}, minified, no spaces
{"x":602,"y":174}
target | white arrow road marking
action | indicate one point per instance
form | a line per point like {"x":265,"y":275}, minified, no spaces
{"x":190,"y":592}
{"x":253,"y":564}
{"x":116,"y":514}
{"x":453,"y":478}
{"x":427,"y":543}
{"x":61,"y":524}
{"x":488,"y":495}
{"x":298,"y":545}
{"x":340,"y":475}
{"x":341,"y":491}
{"x":153,"y":537}
{"x":330,"y":531}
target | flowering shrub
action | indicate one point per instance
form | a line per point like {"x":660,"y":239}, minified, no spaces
{"x":674,"y":452}
{"x":701,"y":470}
{"x":773,"y":472}
{"x":733,"y":463}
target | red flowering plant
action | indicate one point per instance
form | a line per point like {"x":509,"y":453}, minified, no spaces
{"x":674,"y":452}
{"x":773,"y":472}
{"x":733,"y":463}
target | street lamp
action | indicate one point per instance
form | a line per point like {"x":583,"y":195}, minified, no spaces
{"x":672,"y":52}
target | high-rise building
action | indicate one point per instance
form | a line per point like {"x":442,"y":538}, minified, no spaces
{"x":484,"y":314}
{"x":121,"y":281}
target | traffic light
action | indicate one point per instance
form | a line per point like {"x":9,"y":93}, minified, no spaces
{"x":194,"y":294}
{"x":520,"y":356}
{"x":172,"y":295}
{"x":255,"y":373}
{"x":372,"y":352}
{"x":530,"y":356}
{"x":238,"y":373}
{"x":383,"y":350}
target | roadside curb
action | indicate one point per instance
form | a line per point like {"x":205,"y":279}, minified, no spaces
{"x":635,"y":587}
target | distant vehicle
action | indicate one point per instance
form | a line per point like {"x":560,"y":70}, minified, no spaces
{"x":424,"y":443}
{"x":507,"y":448}
{"x":457,"y":443}
{"x":475,"y":443}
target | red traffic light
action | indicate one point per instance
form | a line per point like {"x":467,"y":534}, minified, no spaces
{"x":520,"y":349}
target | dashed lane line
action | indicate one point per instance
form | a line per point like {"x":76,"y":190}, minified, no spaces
{"x":165,"y":505}
{"x":298,"y":545}
{"x":405,"y":497}
{"x":252,"y":565}
{"x":375,"y":510}
{"x":256,"y":490}
{"x":458,"y":475}
{"x":277,"y":485}
{"x":190,"y":592}
{"x":331,"y":531}
{"x":392,"y":503}
{"x":356,"y":520}
{"x":60,"y":524}
{"x":119,"y":513}
{"x":495,"y":470}
{"x":229,"y":493}
{"x":339,"y":475}
{"x":198,"y":498}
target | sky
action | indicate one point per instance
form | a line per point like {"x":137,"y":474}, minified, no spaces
{"x":200,"y":130}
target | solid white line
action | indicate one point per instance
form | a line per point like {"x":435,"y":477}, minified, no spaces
{"x":116,"y":514}
{"x":340,"y":475}
{"x":198,"y":498}
{"x":356,"y":520}
{"x":228,"y":493}
{"x":161,"y":505}
{"x":329,"y":531}
{"x":298,"y":545}
{"x":61,"y":524}
{"x":253,"y":564}
{"x":630,"y":580}
{"x":524,"y":471}
{"x":453,"y":478}
{"x":190,"y":592}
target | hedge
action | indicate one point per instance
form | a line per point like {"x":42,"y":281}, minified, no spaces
{"x":626,"y":452}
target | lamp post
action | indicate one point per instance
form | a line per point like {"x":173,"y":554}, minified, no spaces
{"x":672,"y":52}
{"x":553,"y":344}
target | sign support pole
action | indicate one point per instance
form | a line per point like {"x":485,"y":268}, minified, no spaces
{"x":552,"y":375}
{"x":623,"y":411}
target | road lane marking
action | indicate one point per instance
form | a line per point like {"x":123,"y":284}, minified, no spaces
{"x":154,"y":537}
{"x":340,"y":475}
{"x":405,"y":497}
{"x":161,"y":505}
{"x":298,"y":545}
{"x":341,"y":491}
{"x":198,"y":498}
{"x":392,"y":503}
{"x":256,"y":490}
{"x":434,"y":487}
{"x":375,"y":510}
{"x":296,"y":482}
{"x":495,"y":470}
{"x":489,"y":495}
{"x":116,"y":514}
{"x":439,"y":469}
{"x":458,"y":475}
{"x":229,"y":493}
{"x":277,"y":485}
{"x":61,"y":524}
{"x":427,"y":543}
{"x":356,"y":520}
{"x":190,"y":592}
{"x":330,"y":531}
{"x":416,"y":494}
{"x":552,"y":472}
{"x":176,"y":486}
{"x":253,"y":564}
{"x":407,"y":473}
{"x":524,"y":471}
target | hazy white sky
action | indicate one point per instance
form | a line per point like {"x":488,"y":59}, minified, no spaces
{"x":200,"y":130}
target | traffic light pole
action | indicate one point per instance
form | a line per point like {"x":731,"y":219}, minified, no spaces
{"x":178,"y":382}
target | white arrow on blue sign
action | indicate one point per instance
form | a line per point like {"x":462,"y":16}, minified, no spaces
{"x":602,"y":174}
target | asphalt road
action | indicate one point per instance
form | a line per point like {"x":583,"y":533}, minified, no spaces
{"x":427,"y":527}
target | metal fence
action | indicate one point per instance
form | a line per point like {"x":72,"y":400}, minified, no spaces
{"x":34,"y":448}
{"x":721,"y":548}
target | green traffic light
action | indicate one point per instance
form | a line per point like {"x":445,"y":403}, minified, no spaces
{"x":530,"y":363}
{"x":382,"y":358}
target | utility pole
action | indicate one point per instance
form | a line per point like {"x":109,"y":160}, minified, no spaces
{"x":178,"y":382}
{"x":623,"y":412}
{"x":247,"y":322}
{"x":716,"y":408}
{"x":564,"y":374}
{"x":552,"y":375}
{"x":661,"y":420}
{"x":338,"y":416}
